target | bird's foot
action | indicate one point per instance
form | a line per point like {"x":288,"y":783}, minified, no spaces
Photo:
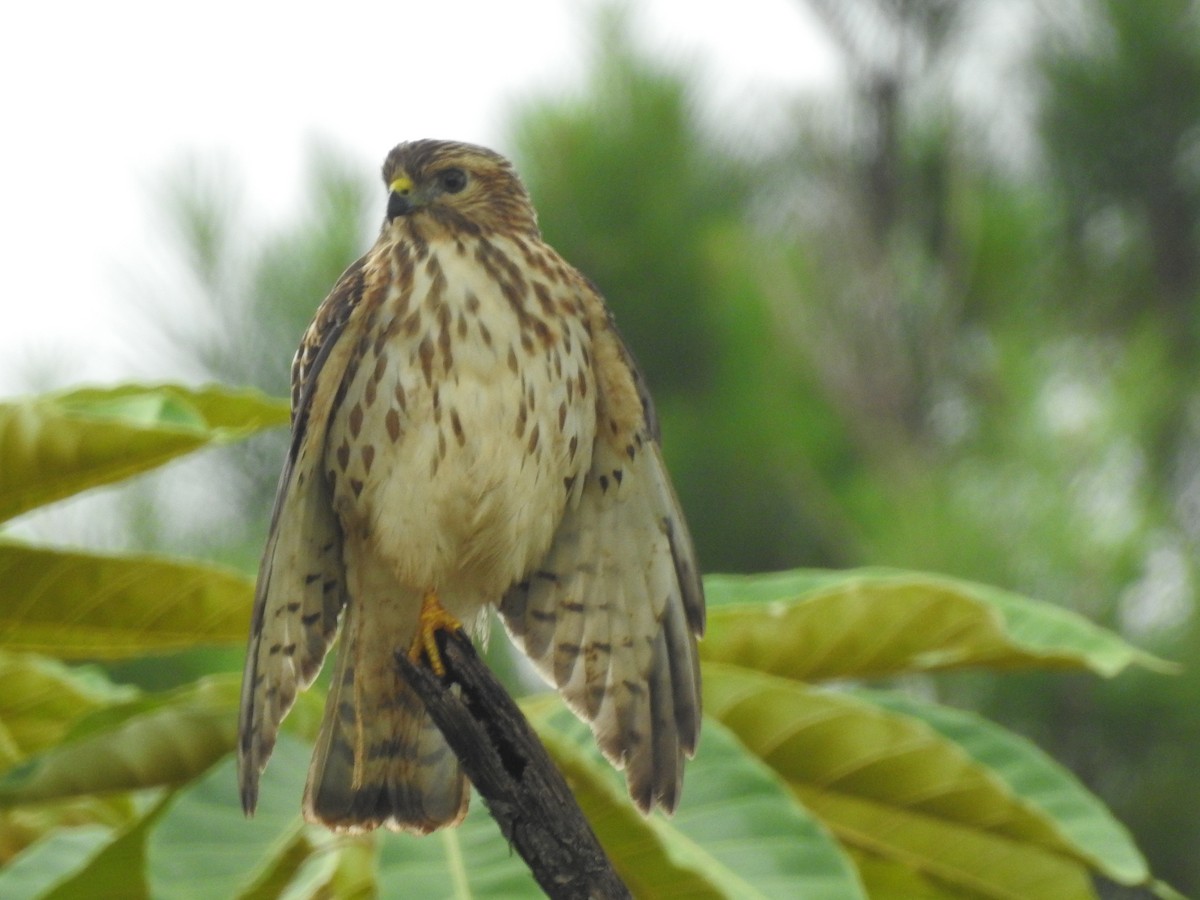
{"x":433,"y":618}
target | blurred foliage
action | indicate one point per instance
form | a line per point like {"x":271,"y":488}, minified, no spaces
{"x":799,"y":787}
{"x":880,"y":336}
{"x":634,"y":192}
{"x":1120,"y":129}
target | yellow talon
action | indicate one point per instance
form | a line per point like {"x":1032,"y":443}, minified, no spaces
{"x":433,"y":618}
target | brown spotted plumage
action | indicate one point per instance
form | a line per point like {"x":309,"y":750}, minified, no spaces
{"x":468,"y":431}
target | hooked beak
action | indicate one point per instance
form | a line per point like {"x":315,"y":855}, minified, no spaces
{"x":403,"y":199}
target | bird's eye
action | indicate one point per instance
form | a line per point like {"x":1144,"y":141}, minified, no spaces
{"x":452,"y":180}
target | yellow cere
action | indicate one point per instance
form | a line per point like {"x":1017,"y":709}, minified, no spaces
{"x":401,"y":185}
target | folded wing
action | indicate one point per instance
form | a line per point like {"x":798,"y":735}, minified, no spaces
{"x":301,"y":583}
{"x":612,"y":615}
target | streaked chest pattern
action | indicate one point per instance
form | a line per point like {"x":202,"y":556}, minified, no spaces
{"x":467,"y":412}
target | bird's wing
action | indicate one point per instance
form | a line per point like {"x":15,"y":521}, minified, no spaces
{"x":301,"y":586}
{"x":613,"y":613}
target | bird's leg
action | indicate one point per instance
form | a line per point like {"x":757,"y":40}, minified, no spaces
{"x":433,"y":618}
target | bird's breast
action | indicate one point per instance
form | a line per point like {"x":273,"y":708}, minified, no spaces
{"x":467,"y":417}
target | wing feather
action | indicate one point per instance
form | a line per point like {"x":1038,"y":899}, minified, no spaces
{"x":590,"y":680}
{"x":666,"y":775}
{"x":612,"y":615}
{"x":301,"y":585}
{"x":631,"y":705}
{"x":568,"y":633}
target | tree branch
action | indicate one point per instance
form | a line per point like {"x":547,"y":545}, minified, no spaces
{"x":523,"y":789}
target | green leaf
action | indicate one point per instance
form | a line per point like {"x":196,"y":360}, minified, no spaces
{"x":737,"y":832}
{"x":307,"y":871}
{"x":891,"y":785}
{"x":978,"y":863}
{"x":353,"y":876}
{"x":204,"y":839}
{"x":57,"y":445}
{"x":295,"y":860}
{"x":1078,"y":816}
{"x":22,"y":826}
{"x":42,"y":866}
{"x":886,"y":879}
{"x":473,"y":860}
{"x":82,"y":605}
{"x":117,"y":872}
{"x":155,"y":740}
{"x":878,"y":622}
{"x":41,"y":697}
{"x":301,"y":870}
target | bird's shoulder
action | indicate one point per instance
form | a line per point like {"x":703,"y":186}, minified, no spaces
{"x":625,"y":409}
{"x":327,"y":325}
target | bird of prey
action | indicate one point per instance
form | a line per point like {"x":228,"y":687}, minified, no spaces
{"x":469,"y":431}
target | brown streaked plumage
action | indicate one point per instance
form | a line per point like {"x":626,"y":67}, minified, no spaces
{"x":468,"y":428}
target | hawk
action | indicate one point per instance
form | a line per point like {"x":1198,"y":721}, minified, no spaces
{"x":468,"y":431}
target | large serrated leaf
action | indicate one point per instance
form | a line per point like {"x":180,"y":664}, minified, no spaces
{"x":43,"y":866}
{"x":116,"y":872}
{"x":875,"y":622}
{"x":1082,"y":820}
{"x":22,"y":826}
{"x":891,"y":785}
{"x":152,"y":741}
{"x":57,"y":445}
{"x":203,"y":838}
{"x":737,"y":833}
{"x":352,"y":873}
{"x":40,"y":698}
{"x":84,"y":605}
{"x":978,"y":863}
{"x":886,"y":879}
{"x":308,"y":870}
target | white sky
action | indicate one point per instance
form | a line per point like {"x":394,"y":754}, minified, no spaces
{"x":99,"y":99}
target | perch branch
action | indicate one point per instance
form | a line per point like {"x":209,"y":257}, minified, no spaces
{"x":523,"y":789}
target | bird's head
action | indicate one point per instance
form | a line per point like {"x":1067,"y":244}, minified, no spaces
{"x":461,"y":187}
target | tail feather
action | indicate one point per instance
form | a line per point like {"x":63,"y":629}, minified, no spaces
{"x":379,"y":759}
